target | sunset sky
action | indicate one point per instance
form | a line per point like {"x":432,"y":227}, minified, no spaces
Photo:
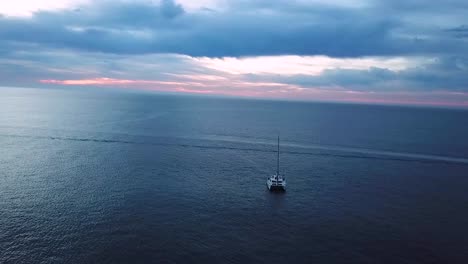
{"x":397,"y":52}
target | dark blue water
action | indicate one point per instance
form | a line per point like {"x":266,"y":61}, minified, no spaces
{"x":114,"y":177}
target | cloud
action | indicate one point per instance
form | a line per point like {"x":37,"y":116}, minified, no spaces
{"x":441,"y":74}
{"x":338,"y":50}
{"x":306,"y":65}
{"x":460,"y":31}
{"x":253,"y":28}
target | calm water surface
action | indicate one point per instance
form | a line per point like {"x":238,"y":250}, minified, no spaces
{"x":114,"y":177}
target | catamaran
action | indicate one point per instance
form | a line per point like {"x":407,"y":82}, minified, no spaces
{"x":277,"y":182}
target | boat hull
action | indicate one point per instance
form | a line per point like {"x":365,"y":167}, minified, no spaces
{"x":273,"y":185}
{"x":277,"y":189}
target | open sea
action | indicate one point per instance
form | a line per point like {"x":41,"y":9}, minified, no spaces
{"x":102,"y":176}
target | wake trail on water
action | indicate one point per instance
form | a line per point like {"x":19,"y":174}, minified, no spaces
{"x":291,"y":148}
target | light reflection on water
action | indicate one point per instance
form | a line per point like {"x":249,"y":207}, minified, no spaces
{"x":118,"y":178}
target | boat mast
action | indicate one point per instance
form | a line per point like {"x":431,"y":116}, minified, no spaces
{"x":277,"y":161}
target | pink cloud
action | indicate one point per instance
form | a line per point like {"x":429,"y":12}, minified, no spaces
{"x":189,"y":84}
{"x":235,"y":86}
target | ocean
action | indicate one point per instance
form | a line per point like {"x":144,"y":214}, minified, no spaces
{"x":107,"y":176}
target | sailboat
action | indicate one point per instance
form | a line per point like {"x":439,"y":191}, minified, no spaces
{"x":277,"y":182}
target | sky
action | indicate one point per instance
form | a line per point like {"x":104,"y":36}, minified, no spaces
{"x":362,"y":51}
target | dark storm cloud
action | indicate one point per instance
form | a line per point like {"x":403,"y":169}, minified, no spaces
{"x":244,"y":28}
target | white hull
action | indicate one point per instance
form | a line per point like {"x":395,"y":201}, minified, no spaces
{"x":276,"y":183}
